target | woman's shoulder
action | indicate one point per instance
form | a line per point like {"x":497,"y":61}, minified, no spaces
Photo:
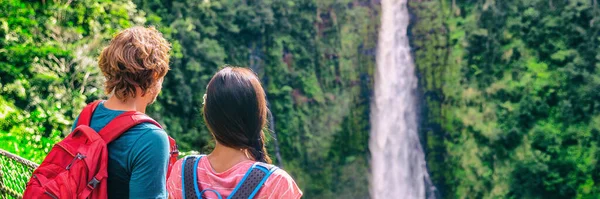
{"x":281,"y":185}
{"x":281,"y":174}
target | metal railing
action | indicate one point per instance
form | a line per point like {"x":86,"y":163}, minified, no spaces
{"x":14,"y":174}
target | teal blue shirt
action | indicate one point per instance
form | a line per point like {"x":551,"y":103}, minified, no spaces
{"x":137,"y":161}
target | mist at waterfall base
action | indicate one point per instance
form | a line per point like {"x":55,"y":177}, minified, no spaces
{"x":398,"y":167}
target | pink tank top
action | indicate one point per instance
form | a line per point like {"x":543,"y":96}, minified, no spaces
{"x":279,"y":185}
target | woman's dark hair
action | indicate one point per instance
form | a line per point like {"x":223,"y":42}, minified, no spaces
{"x":235,"y":111}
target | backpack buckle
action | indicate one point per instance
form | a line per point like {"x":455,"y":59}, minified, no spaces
{"x":93,"y":183}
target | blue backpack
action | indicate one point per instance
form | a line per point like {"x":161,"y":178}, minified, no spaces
{"x":251,"y":183}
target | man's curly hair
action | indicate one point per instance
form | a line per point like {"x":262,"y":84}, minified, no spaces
{"x":136,"y":57}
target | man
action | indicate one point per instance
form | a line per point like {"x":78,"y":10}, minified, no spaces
{"x":134,"y":65}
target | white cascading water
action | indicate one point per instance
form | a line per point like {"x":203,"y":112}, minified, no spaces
{"x":398,"y":167}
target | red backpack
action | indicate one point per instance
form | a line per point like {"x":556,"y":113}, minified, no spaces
{"x":76,"y":167}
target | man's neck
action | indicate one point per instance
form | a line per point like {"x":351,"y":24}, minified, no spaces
{"x":114,"y":103}
{"x":223,"y":158}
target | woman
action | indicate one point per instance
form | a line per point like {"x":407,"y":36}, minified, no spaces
{"x":235,"y":111}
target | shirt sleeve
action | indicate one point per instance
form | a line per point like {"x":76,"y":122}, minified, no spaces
{"x":174,"y":181}
{"x":281,"y":185}
{"x":149,"y":159}
{"x":74,"y":123}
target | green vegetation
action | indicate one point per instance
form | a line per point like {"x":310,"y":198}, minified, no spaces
{"x":511,"y":91}
{"x":315,"y":58}
{"x":47,"y":58}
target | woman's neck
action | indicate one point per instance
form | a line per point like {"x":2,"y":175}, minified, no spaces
{"x":223,"y":157}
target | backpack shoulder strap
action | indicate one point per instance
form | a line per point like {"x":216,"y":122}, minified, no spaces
{"x":189,"y":177}
{"x":255,"y":177}
{"x":173,"y":155}
{"x":86,"y":114}
{"x":122,"y":123}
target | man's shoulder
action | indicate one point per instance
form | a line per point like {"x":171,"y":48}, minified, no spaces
{"x":145,"y":132}
{"x":148,"y":130}
{"x":146,"y":127}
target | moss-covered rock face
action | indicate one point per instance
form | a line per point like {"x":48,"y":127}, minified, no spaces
{"x":509,"y":89}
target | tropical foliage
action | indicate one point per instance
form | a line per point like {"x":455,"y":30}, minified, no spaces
{"x":511,"y":90}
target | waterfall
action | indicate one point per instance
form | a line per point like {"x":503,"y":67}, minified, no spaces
{"x":398,"y":167}
{"x":255,"y":60}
